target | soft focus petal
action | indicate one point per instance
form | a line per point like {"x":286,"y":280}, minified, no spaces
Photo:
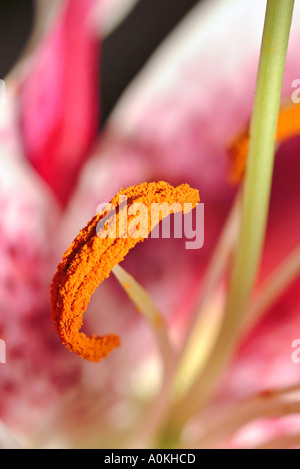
{"x":36,"y":371}
{"x":59,"y":104}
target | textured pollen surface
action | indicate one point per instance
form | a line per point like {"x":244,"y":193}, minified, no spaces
{"x":90,"y":259}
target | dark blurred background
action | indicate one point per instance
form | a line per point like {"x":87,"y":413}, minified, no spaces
{"x":124,"y":52}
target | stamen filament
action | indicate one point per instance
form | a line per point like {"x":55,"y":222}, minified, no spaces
{"x":188,"y":362}
{"x":146,"y":306}
{"x":227,"y":421}
{"x":205,"y":327}
{"x":7,"y":439}
{"x":274,"y":287}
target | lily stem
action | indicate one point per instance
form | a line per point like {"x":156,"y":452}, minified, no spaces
{"x":255,"y":203}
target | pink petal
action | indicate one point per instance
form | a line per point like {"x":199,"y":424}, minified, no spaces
{"x":59,"y":102}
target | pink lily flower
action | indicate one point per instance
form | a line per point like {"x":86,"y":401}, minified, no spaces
{"x":174,"y":123}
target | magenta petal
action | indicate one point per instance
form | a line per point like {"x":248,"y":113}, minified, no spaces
{"x":58,"y":101}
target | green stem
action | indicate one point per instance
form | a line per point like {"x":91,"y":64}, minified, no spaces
{"x":255,"y":203}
